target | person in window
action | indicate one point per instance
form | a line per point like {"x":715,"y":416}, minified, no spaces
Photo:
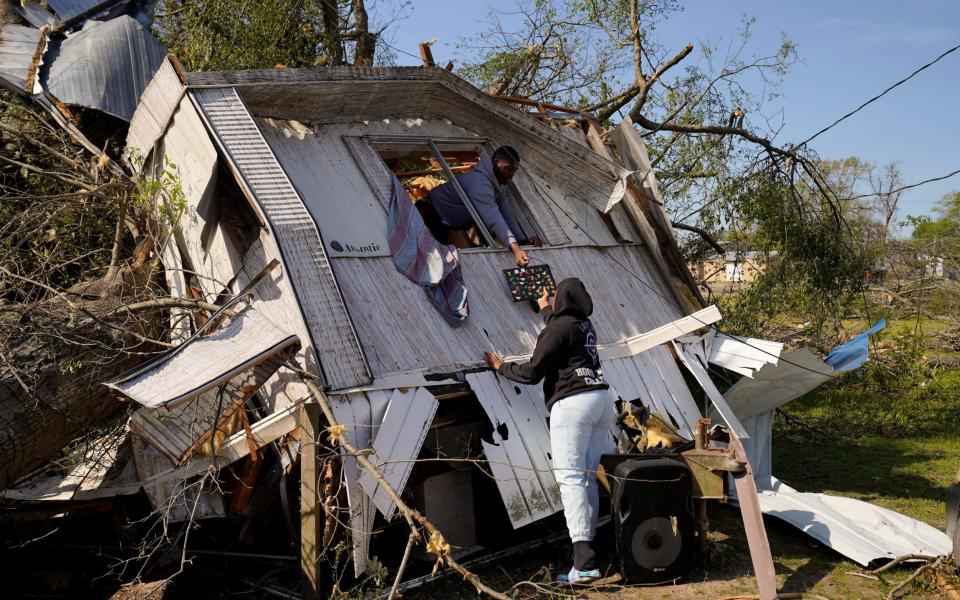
{"x":445,"y":215}
{"x":582,"y":412}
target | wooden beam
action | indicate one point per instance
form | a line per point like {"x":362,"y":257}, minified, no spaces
{"x":426,"y":54}
{"x":753,"y":524}
{"x":311,"y":523}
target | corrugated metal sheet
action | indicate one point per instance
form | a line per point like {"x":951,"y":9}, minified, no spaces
{"x":362,"y":414}
{"x":105,"y":66}
{"x":519,"y":457}
{"x":35,"y":14}
{"x":863,"y":532}
{"x":20,"y":49}
{"x":301,"y":246}
{"x":69,"y":10}
{"x":699,"y":371}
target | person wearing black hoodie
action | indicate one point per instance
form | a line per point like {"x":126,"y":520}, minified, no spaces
{"x":582,"y":411}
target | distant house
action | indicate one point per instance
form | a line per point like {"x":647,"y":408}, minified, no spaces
{"x":732,"y":267}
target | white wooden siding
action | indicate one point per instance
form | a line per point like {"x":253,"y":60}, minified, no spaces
{"x":397,"y":443}
{"x":305,"y":260}
{"x":275,"y":299}
{"x":654,"y":378}
{"x":520,"y":458}
{"x":188,"y":147}
{"x":400,"y":331}
{"x":157,"y":104}
{"x":362,"y":414}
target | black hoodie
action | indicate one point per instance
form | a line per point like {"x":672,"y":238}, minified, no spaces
{"x":566,"y":353}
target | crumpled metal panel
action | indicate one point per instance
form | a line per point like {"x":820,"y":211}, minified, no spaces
{"x":58,"y":11}
{"x":864,"y":532}
{"x":35,"y":14}
{"x":105,"y":66}
{"x":18,"y":49}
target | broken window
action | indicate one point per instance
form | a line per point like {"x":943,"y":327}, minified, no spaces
{"x":422,"y":164}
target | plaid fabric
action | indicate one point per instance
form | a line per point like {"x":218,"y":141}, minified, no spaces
{"x":423,"y":260}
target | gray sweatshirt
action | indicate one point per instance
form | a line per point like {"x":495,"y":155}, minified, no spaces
{"x":487,"y":196}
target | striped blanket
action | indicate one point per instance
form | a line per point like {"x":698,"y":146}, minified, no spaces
{"x":424,"y":260}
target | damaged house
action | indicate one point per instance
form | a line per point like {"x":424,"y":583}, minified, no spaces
{"x":291,"y":182}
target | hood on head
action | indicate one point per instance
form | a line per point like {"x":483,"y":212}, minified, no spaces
{"x":573,"y":299}
{"x":485,"y":166}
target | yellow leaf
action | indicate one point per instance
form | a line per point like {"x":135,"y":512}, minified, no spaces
{"x":437,"y":545}
{"x":335,"y":431}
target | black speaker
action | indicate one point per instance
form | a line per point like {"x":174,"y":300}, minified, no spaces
{"x":654,"y":523}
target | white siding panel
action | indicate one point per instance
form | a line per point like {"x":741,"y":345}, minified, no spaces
{"x":350,"y":216}
{"x":194,"y":156}
{"x":519,"y":458}
{"x":157,"y":104}
{"x":362,"y":414}
{"x":397,"y":443}
{"x":400,"y":331}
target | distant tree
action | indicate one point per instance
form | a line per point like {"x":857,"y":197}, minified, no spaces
{"x":947,"y":223}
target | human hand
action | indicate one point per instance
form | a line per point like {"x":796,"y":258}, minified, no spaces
{"x":535,"y":241}
{"x":519,"y":254}
{"x":544,"y":300}
{"x":493,"y":360}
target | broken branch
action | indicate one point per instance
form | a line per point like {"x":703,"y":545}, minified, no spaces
{"x":702,"y":233}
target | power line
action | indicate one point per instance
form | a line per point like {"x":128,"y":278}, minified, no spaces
{"x":880,"y":95}
{"x":906,"y":187}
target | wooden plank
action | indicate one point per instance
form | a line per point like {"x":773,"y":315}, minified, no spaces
{"x":397,"y":443}
{"x":519,"y":458}
{"x":633,"y":152}
{"x":757,"y":540}
{"x":304,"y":257}
{"x":311,"y":505}
{"x":647,"y":232}
{"x":637,"y":344}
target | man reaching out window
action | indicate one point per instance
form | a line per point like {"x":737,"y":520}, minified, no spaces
{"x":444,"y":213}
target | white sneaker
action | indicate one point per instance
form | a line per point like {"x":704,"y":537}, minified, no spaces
{"x":576,"y":576}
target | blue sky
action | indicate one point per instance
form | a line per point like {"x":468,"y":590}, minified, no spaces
{"x":849,"y":51}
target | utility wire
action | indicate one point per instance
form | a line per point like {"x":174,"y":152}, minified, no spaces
{"x":880,"y":95}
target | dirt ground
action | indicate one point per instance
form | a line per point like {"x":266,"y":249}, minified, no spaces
{"x":802,"y":566}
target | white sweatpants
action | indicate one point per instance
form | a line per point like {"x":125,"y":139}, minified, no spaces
{"x":579,"y":434}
